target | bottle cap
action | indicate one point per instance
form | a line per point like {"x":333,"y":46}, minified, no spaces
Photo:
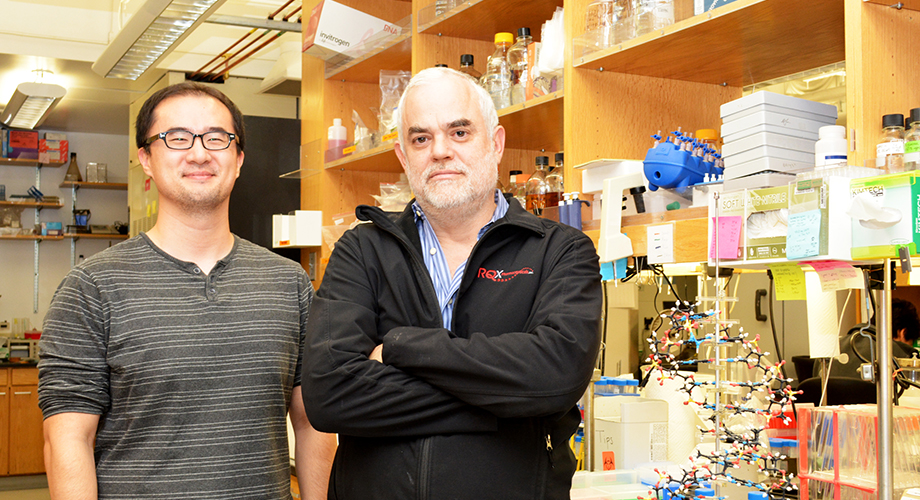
{"x":516,"y":172}
{"x":543,"y":160}
{"x":440,"y":65}
{"x":914,"y":115}
{"x":559,"y":157}
{"x":523,"y":32}
{"x":337,"y":122}
{"x":466,"y":59}
{"x":895,"y":120}
{"x":504,"y":37}
{"x":707,"y":134}
{"x":832,"y":132}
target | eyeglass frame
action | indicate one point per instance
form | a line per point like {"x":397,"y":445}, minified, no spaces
{"x":162,"y":135}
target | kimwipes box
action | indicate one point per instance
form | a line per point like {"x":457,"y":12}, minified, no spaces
{"x":885,"y":214}
{"x":335,"y":28}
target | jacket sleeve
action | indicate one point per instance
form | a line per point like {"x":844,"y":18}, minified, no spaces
{"x":346,"y":392}
{"x":541,"y":371}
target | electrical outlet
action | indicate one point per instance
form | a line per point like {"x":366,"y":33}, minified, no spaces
{"x":5,"y":327}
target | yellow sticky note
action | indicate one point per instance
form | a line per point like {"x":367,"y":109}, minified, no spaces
{"x":789,"y":280}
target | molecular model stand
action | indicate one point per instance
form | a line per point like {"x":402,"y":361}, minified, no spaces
{"x":723,"y":399}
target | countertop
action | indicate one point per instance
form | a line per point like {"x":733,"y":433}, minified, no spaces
{"x":29,"y":364}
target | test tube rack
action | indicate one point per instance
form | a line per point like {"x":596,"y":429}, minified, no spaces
{"x":838,"y":452}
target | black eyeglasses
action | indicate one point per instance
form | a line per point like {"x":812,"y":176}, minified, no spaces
{"x":183,"y":139}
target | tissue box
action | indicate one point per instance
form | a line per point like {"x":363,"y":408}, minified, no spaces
{"x":302,"y":229}
{"x":892,"y":220}
{"x":335,"y":28}
{"x":766,"y":220}
{"x":819,"y":227}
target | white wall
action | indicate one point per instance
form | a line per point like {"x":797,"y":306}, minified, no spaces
{"x":16,"y":257}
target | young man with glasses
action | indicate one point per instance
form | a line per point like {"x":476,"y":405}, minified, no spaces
{"x":170,"y":361}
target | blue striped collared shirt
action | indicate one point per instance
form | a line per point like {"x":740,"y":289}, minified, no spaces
{"x":445,"y":285}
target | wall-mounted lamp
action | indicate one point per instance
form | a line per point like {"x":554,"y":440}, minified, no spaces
{"x":31,"y":104}
{"x":152,"y":33}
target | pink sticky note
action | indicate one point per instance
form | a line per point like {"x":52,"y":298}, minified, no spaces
{"x":729,"y":237}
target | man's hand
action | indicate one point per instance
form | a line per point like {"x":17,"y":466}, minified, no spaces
{"x":377,"y":354}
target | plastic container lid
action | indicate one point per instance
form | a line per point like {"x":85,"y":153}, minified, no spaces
{"x":466,"y":59}
{"x":504,"y":37}
{"x":832,"y":132}
{"x":704,"y":492}
{"x":758,"y":495}
{"x":914,"y":115}
{"x":894,"y":120}
{"x":523,"y":32}
{"x":707,"y":134}
{"x":542,"y":160}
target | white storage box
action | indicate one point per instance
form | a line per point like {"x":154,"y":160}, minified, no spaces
{"x":772,"y":129}
{"x":335,"y":28}
{"x":780,"y":120}
{"x":632,"y":431}
{"x":769,"y":152}
{"x":767,"y":139}
{"x":769,"y":101}
{"x":302,"y":229}
{"x":767,"y":164}
{"x":758,"y":181}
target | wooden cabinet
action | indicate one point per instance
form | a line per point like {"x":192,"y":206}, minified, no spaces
{"x":21,"y":437}
{"x":615,"y":98}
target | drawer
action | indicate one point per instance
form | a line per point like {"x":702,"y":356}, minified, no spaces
{"x":24,"y":376}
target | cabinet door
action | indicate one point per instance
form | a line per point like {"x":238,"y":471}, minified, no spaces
{"x":26,"y":441}
{"x":4,"y":429}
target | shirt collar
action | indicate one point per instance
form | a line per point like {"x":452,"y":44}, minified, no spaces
{"x":501,"y":208}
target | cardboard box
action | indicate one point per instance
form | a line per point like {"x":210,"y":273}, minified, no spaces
{"x":894,"y":198}
{"x":766,"y":223}
{"x":53,"y":151}
{"x":819,"y":227}
{"x":302,"y":229}
{"x":335,"y":28}
{"x":23,"y":145}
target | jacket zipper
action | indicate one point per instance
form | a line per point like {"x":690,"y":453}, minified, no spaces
{"x":424,"y":472}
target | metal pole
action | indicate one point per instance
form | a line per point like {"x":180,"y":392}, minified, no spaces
{"x":885,"y":473}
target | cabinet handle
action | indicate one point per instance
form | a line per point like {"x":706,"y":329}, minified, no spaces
{"x":2,"y":394}
{"x":22,"y":393}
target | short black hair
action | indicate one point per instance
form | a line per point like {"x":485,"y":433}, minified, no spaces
{"x":904,"y":316}
{"x":145,"y":117}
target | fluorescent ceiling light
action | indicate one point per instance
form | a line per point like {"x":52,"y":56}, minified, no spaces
{"x":152,"y":33}
{"x":31,"y":104}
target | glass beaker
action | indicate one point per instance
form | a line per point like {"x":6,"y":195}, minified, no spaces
{"x":608,"y":22}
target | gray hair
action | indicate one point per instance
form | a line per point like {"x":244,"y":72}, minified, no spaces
{"x":433,"y":76}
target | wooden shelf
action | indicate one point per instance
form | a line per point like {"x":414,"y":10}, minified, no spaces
{"x":30,"y":204}
{"x":396,"y":55}
{"x":31,"y":237}
{"x":535,"y":124}
{"x":92,"y":236}
{"x":95,"y":185}
{"x":690,"y":230}
{"x":379,"y":159}
{"x":906,"y":4}
{"x":744,"y":42}
{"x":481,"y":19}
{"x":9,"y":162}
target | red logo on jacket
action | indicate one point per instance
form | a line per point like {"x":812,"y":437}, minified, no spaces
{"x":501,"y":275}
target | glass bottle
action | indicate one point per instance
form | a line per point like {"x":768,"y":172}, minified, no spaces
{"x":538,"y":194}
{"x":466,"y":66}
{"x":517,"y":186}
{"x":912,"y":141}
{"x":608,"y":22}
{"x":517,"y":59}
{"x":554,"y":177}
{"x":497,"y":79}
{"x":652,"y":15}
{"x":890,"y":150}
{"x":73,"y":170}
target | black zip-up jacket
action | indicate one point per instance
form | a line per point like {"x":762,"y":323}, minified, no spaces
{"x":483,"y":410}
